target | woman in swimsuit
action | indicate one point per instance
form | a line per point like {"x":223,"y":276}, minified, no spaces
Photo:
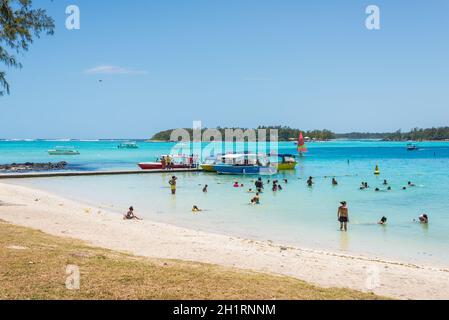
{"x":343,"y":216}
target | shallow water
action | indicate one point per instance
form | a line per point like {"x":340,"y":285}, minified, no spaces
{"x":297,"y":215}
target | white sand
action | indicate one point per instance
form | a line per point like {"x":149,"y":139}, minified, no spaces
{"x":57,"y":216}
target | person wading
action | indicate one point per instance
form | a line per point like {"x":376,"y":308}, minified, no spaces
{"x":343,"y":216}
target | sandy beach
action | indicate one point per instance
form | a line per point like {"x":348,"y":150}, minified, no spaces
{"x":97,"y":226}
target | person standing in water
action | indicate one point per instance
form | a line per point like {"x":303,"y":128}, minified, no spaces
{"x":259,"y":185}
{"x":172,"y":184}
{"x":310,"y":182}
{"x":205,"y":188}
{"x":343,"y":216}
{"x":334,"y":182}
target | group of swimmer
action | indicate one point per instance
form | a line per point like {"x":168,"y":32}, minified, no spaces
{"x":343,"y":217}
{"x":342,"y":213}
{"x":364,"y":185}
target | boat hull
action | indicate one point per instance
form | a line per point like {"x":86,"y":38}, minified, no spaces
{"x":286,"y":166}
{"x":56,"y":153}
{"x":158,"y":166}
{"x":208,"y":167}
{"x":244,"y":170}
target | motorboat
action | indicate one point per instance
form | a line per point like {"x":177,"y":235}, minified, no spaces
{"x":63,"y":151}
{"x":169,"y":162}
{"x":246,"y":164}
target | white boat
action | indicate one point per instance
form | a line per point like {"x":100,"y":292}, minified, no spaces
{"x":63,"y":151}
{"x":128,"y":145}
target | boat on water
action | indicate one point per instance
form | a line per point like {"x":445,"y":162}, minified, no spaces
{"x":245,"y":164}
{"x":63,"y":151}
{"x":169,"y":162}
{"x":128,"y":145}
{"x":302,"y":148}
{"x":286,"y":162}
{"x":209,"y":163}
{"x":412,"y":147}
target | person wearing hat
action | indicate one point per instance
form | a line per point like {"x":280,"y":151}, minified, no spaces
{"x":172,"y":184}
{"x":343,"y":216}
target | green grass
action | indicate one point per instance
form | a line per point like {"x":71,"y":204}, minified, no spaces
{"x":38,"y":272}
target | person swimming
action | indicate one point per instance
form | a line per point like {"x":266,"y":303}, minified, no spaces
{"x":389,"y":188}
{"x":377,"y":189}
{"x":383,"y":220}
{"x":130,"y":215}
{"x":196,"y":209}
{"x":423,"y":218}
{"x":250,"y":190}
{"x":256,"y":199}
{"x":310,"y":182}
{"x":410,"y":184}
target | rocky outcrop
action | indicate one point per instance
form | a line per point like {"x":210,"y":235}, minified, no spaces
{"x":30,"y":166}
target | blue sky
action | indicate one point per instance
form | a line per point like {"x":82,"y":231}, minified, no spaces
{"x":165,"y":63}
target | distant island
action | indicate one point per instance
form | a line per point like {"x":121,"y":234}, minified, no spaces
{"x":290,"y":134}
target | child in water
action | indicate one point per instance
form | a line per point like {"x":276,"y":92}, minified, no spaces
{"x":423,"y":219}
{"x":256,"y":199}
{"x":383,"y":220}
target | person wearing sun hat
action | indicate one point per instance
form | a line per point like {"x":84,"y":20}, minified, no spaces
{"x":343,"y":216}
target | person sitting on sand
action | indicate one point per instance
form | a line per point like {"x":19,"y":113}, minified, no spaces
{"x":343,"y":216}
{"x":196,"y":209}
{"x":423,"y":219}
{"x":205,"y":188}
{"x":130,"y":215}
{"x":334,"y":182}
{"x":383,"y":220}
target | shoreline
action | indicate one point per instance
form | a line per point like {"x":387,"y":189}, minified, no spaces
{"x":67,"y":218}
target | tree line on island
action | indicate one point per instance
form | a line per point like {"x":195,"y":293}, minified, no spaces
{"x":286,"y":133}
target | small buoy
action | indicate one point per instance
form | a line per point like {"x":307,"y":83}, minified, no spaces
{"x":377,"y":171}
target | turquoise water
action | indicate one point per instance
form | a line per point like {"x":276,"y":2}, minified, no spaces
{"x":298,"y":215}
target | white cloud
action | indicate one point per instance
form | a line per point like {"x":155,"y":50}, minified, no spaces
{"x":114,"y":70}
